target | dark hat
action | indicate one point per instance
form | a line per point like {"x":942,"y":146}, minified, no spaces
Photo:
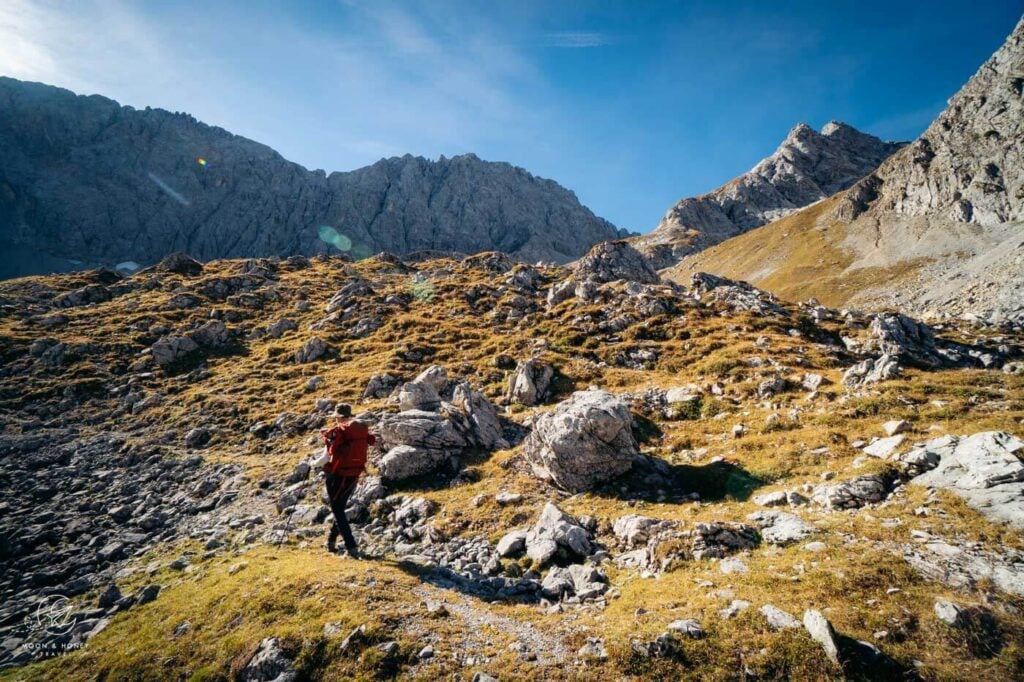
{"x":342,"y":410}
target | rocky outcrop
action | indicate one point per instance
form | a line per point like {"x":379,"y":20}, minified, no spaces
{"x":984,"y":469}
{"x":807,"y":167}
{"x":440,"y":419}
{"x":87,"y":180}
{"x":615,"y":260}
{"x":586,"y":440}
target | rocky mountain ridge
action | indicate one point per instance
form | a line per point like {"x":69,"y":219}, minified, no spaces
{"x":807,"y":167}
{"x":935,"y":230}
{"x":86,"y":181}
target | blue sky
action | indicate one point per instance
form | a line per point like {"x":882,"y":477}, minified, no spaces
{"x":631,"y":105}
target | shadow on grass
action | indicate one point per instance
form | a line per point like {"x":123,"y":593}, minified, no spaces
{"x":861,"y":661}
{"x":652,"y":479}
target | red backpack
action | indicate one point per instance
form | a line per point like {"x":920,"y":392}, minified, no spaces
{"x":347,"y":444}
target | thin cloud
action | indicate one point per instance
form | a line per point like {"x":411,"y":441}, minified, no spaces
{"x":576,"y":39}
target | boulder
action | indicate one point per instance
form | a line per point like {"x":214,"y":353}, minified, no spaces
{"x":530,"y":382}
{"x":417,"y":396}
{"x":561,"y":291}
{"x":171,"y":349}
{"x":435,"y":377}
{"x":313,"y":349}
{"x":354,"y":291}
{"x":512,"y":544}
{"x":380,"y":385}
{"x":853,"y":493}
{"x":180,"y":263}
{"x":634,"y":530}
{"x":884,"y":447}
{"x":213,"y":334}
{"x":586,"y":440}
{"x":871,"y":371}
{"x":555,"y":530}
{"x":484,"y":425}
{"x":779,"y":619}
{"x":269,"y":664}
{"x":821,"y":632}
{"x":277,"y":329}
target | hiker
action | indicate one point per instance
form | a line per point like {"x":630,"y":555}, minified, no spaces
{"x":346,"y":445}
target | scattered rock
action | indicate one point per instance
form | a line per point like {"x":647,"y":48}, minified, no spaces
{"x":781,"y":528}
{"x":779,"y":619}
{"x":821,"y":632}
{"x":530,"y":382}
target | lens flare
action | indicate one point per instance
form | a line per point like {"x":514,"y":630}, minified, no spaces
{"x":329,"y":235}
{"x":158,"y":181}
{"x":201,"y":161}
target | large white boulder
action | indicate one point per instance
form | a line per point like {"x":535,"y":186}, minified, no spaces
{"x":586,"y":440}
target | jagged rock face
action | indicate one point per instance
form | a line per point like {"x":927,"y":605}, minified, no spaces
{"x":967,"y":165}
{"x":808,"y":166}
{"x":85,"y":180}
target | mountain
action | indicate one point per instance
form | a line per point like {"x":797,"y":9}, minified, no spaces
{"x":807,"y":167}
{"x":87,"y":181}
{"x":935,"y":230}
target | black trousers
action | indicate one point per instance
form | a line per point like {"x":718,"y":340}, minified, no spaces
{"x":338,"y":490}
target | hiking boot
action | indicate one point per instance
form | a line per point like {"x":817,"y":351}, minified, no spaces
{"x":353,"y":553}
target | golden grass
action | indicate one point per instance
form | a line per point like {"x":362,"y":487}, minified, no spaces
{"x":292,"y":591}
{"x":795,"y":258}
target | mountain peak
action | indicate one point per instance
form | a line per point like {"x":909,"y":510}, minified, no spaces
{"x":807,"y":167}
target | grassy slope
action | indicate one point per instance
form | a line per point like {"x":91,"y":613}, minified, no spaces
{"x":291,"y":591}
{"x":795,"y":258}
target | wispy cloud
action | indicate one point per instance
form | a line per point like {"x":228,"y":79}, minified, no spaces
{"x":576,"y":39}
{"x":393,"y":78}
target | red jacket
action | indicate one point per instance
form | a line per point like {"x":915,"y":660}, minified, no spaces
{"x":347,"y":444}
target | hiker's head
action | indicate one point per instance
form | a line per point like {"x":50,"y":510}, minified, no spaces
{"x":342,"y":411}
